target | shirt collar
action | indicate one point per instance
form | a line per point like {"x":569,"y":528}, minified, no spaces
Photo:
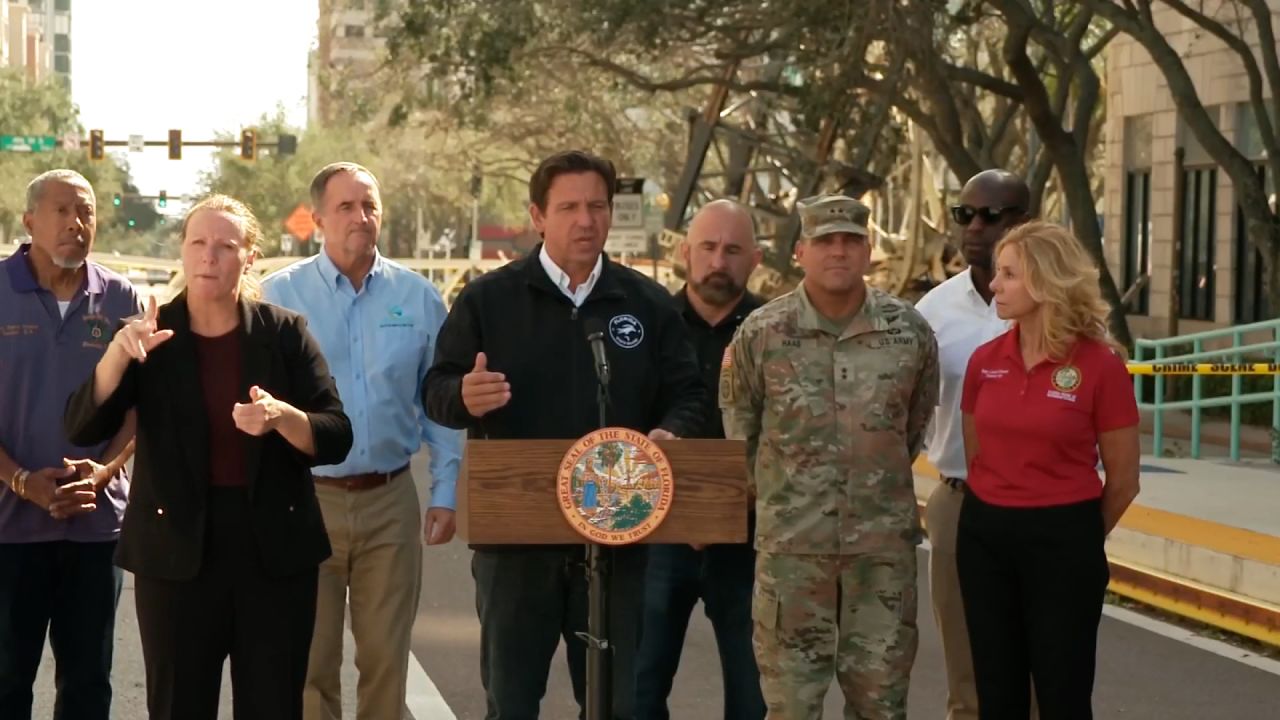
{"x":746,"y":304}
{"x":332,"y":275}
{"x":1010,"y":345}
{"x":561,"y":278}
{"x":868,"y":318}
{"x":23,"y":280}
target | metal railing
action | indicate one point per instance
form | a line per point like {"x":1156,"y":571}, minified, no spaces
{"x":1157,"y":351}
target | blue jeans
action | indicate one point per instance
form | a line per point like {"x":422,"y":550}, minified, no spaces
{"x":69,"y":590}
{"x":677,"y":577}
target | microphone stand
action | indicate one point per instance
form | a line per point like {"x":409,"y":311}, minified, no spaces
{"x":599,"y":651}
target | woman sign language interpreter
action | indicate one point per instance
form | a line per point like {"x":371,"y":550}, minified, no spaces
{"x":234,"y":405}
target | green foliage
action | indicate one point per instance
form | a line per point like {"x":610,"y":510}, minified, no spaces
{"x":632,"y":514}
{"x":46,"y":109}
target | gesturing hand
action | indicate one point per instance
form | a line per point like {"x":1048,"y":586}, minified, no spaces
{"x":139,"y":337}
{"x":259,"y":416}
{"x":484,"y":391}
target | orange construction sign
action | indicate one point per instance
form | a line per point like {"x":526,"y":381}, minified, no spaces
{"x":299,"y":223}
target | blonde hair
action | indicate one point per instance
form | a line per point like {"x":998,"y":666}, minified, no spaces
{"x":1062,"y":278}
{"x":250,"y":288}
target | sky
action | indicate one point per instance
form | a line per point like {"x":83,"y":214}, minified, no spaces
{"x":145,"y":66}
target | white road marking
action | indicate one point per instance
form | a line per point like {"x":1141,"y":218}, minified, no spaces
{"x":423,"y":697}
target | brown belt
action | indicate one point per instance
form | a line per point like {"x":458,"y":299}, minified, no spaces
{"x":363,"y":481}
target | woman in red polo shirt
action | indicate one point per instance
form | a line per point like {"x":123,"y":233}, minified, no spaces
{"x":1040,"y":403}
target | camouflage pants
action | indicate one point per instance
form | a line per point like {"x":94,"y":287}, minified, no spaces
{"x":851,"y":616}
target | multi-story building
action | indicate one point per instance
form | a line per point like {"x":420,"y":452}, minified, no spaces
{"x":1218,"y":276}
{"x":36,"y":35}
{"x":349,"y":45}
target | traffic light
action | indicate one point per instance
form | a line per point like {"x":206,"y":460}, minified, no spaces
{"x":115,"y":200}
{"x":175,"y":145}
{"x":97,"y":147}
{"x":164,"y":199}
{"x":132,"y":222}
{"x":287,"y":144}
{"x":249,"y":144}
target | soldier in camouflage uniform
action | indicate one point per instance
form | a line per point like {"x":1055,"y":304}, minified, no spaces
{"x":832,"y":387}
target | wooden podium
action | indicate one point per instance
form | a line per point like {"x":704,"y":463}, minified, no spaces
{"x":507,"y":493}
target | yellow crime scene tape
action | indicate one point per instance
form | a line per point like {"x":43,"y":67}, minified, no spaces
{"x":1176,"y":368}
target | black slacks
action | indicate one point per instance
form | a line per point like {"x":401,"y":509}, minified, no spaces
{"x":231,"y":608}
{"x":528,"y":601}
{"x":1033,"y":581}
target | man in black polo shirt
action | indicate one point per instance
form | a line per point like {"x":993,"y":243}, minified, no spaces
{"x":719,"y":253}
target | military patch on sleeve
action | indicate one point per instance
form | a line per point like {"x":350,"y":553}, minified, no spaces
{"x":726,"y":360}
{"x":726,"y":384}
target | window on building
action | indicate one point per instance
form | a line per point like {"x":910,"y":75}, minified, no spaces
{"x":353,"y":31}
{"x":62,"y":43}
{"x":62,"y":5}
{"x":1195,"y":264}
{"x":1250,"y":298}
{"x":1137,"y":238}
{"x":1249,"y":301}
{"x":62,"y":64}
{"x":1137,"y":210}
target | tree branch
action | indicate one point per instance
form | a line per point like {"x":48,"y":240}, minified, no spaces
{"x":879,"y":117}
{"x":1267,"y":40}
{"x":1183,"y":90}
{"x":1103,"y":41}
{"x":1242,"y":49}
{"x":980,"y":79}
{"x":639,"y":80}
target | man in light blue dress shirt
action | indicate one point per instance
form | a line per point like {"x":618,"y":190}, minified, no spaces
{"x":377,"y":323}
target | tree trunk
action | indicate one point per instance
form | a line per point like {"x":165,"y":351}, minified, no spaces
{"x":1066,"y":153}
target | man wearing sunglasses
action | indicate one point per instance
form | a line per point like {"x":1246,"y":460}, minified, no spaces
{"x":992,"y":203}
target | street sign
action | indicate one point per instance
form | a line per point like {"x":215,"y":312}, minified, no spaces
{"x":628,"y":204}
{"x":136,"y":143}
{"x":286,"y":244}
{"x":628,"y":211}
{"x":71,"y":141}
{"x":28,"y":143}
{"x":299,"y":223}
{"x":627,"y":240}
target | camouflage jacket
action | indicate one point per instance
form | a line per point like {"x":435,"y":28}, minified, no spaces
{"x":832,"y":424}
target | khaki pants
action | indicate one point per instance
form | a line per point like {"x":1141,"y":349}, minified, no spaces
{"x":376,"y":566}
{"x":941,"y":517}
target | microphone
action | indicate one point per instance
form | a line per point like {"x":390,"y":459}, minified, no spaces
{"x":595,"y":336}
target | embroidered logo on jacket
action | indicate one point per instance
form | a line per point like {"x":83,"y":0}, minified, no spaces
{"x":626,"y":331}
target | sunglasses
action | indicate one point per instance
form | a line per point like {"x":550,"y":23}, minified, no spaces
{"x":964,"y":214}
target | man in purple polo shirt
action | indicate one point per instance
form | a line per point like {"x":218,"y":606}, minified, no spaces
{"x":60,"y":505}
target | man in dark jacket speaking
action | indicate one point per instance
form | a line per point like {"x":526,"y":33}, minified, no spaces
{"x":513,"y":362}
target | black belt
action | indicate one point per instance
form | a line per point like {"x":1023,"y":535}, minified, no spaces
{"x":955,"y":482}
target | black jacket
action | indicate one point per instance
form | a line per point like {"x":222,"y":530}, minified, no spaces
{"x":164,"y":523}
{"x":530,"y":331}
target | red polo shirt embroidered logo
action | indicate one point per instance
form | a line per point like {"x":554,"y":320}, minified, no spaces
{"x":1066,"y":378}
{"x":1038,"y":428}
